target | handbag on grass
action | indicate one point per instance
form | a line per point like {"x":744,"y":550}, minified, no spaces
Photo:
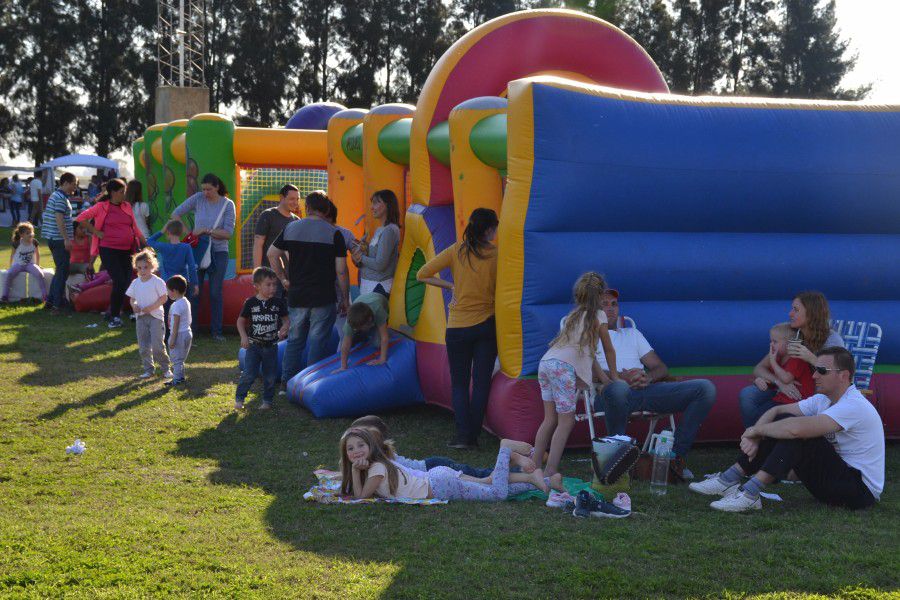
{"x":612,"y":457}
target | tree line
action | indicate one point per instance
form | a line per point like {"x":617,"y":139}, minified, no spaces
{"x":82,"y":73}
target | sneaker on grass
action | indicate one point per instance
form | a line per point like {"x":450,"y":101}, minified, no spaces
{"x":713,"y":486}
{"x":115,"y":322}
{"x":586,"y":505}
{"x":739,"y":501}
{"x":559,"y":499}
{"x":168,"y":374}
{"x":146,"y":375}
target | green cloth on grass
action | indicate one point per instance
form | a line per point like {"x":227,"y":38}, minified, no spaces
{"x":573,"y":485}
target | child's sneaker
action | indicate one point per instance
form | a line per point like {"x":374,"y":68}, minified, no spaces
{"x":238,"y":405}
{"x":586,"y":505}
{"x":623,"y":501}
{"x":265,"y":406}
{"x":114,"y":322}
{"x":173,"y":382}
{"x":146,"y":375}
{"x":168,"y":374}
{"x":559,"y":499}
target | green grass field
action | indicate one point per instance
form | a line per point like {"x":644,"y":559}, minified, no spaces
{"x":177,"y":495}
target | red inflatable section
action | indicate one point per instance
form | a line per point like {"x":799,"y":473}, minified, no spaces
{"x":514,"y":410}
{"x":95,"y":299}
{"x":234,"y":292}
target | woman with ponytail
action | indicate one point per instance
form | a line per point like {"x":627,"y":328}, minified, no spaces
{"x":214,"y":216}
{"x":471,"y":331}
{"x":116,"y":236}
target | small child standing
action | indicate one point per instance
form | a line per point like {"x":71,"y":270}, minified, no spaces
{"x":25,"y":257}
{"x":177,"y":257}
{"x":570,"y":365}
{"x":148,"y":294}
{"x":267,"y":318}
{"x":792,"y":376}
{"x":180,"y":336}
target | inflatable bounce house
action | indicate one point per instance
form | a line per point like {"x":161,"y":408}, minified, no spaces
{"x":708,"y":214}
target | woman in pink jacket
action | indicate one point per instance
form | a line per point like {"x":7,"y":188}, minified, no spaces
{"x":116,"y":238}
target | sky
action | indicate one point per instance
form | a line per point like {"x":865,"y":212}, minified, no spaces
{"x":870,"y":25}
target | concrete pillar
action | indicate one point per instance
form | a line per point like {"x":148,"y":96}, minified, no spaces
{"x":173,"y":103}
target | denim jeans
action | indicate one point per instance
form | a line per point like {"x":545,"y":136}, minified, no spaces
{"x":754,"y":402}
{"x":216,"y":274}
{"x":310,"y":325}
{"x":258,"y":356}
{"x":57,"y":295}
{"x":442,"y":461}
{"x":471,"y":352}
{"x":693,"y":398}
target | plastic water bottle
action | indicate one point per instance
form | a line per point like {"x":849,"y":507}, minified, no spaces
{"x":659,"y":477}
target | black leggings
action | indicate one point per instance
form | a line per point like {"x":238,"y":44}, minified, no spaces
{"x":824,"y":473}
{"x":118,"y":264}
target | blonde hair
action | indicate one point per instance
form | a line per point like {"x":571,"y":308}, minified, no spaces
{"x":587,"y":292}
{"x":783,"y":329}
{"x":20,"y":230}
{"x":146,"y":255}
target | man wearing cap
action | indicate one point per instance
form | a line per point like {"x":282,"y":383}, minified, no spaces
{"x":643,"y":386}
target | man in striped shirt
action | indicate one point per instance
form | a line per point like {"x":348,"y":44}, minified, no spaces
{"x":57,"y":231}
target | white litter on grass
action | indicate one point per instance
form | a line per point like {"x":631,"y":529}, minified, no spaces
{"x":76,"y":448}
{"x":91,"y":326}
{"x":306,"y":454}
{"x":772,"y":497}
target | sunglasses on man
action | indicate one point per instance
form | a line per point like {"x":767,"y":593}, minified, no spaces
{"x":823,"y":370}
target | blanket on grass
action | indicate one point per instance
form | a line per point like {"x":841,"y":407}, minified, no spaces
{"x":328,"y":491}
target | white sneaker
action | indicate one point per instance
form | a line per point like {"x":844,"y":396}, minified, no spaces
{"x":712,"y":486}
{"x":737,"y":502}
{"x":146,"y":375}
{"x":168,"y":374}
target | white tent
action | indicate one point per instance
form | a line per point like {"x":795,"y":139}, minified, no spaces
{"x":81,"y":160}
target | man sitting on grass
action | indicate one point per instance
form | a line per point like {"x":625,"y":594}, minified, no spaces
{"x":833,"y":441}
{"x":366,"y":320}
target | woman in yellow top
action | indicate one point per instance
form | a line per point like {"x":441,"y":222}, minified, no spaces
{"x":471,"y":331}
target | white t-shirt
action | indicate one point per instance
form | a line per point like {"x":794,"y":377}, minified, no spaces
{"x":569,"y":351}
{"x":630,"y":345}
{"x":141,"y":214}
{"x":24,"y":255}
{"x":182,"y":308}
{"x":36,"y":189}
{"x":148,"y":292}
{"x":408,"y":485}
{"x":861,"y":441}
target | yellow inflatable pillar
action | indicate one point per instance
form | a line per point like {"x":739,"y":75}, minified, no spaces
{"x":475,"y":184}
{"x":379,"y":172}
{"x":345,"y":177}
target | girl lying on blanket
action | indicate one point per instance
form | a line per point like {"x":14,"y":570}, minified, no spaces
{"x":368,"y":471}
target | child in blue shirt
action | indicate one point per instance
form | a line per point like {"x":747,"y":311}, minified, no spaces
{"x":176,"y":257}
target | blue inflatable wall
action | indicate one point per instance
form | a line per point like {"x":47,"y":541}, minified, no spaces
{"x":361,"y":389}
{"x":709,"y":216}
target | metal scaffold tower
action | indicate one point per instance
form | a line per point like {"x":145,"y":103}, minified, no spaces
{"x":180,"y":43}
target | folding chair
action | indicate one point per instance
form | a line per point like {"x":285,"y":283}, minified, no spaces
{"x":590,"y":395}
{"x":862,"y":339}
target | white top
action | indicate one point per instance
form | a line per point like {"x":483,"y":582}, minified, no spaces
{"x":147,"y":292}
{"x":24,"y":255}
{"x":408,"y":485}
{"x":141,"y":214}
{"x":569,"y":351}
{"x":630,"y":345}
{"x":182,"y":308}
{"x":861,"y":441}
{"x":36,"y":189}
